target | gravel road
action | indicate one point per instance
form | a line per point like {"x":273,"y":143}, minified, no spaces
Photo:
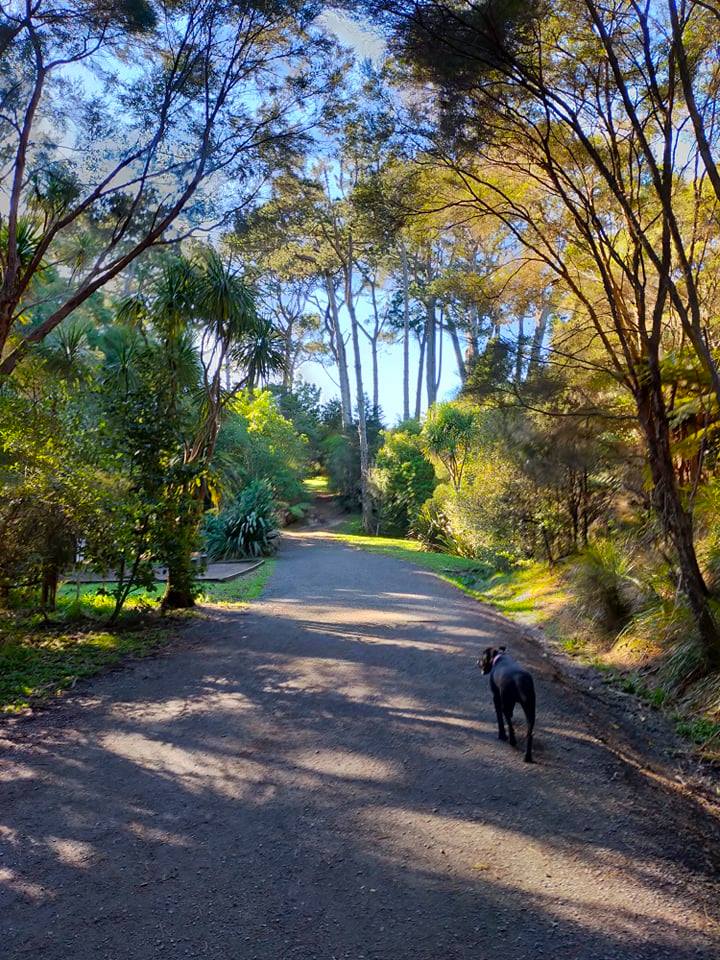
{"x":319,"y":778}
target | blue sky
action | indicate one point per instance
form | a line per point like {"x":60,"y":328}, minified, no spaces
{"x":390,"y":375}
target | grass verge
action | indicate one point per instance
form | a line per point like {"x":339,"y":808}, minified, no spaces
{"x":41,"y":660}
{"x":240,"y":591}
{"x":35,"y":667}
{"x":456,"y":570}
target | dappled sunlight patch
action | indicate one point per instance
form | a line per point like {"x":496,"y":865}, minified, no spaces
{"x":444,"y":719}
{"x":578,"y":883}
{"x":414,"y":597}
{"x":348,"y":765}
{"x":154,"y":754}
{"x":20,"y":771}
{"x":311,"y":675}
{"x":9,"y":836}
{"x":25,"y":888}
{"x":155,"y":835}
{"x":198,"y":770}
{"x":392,"y":641}
{"x":208,"y":700}
{"x":71,"y":852}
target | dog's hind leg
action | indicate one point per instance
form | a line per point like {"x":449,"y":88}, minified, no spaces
{"x":528,"y":705}
{"x":508,"y":706}
{"x":499,"y":714}
{"x":528,"y":745}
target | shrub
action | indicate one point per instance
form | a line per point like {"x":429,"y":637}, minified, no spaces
{"x":257,"y":442}
{"x":706,"y":517}
{"x":340,"y":453}
{"x":432,"y":527}
{"x":342,"y":462}
{"x":247,"y":528}
{"x":605,"y":585}
{"x":403,"y":479}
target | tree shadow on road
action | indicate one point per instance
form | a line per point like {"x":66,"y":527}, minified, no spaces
{"x":335,"y":789}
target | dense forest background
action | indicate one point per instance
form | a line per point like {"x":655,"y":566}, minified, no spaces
{"x":207,"y":204}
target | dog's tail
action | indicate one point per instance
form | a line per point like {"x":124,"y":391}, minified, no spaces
{"x":527,"y":693}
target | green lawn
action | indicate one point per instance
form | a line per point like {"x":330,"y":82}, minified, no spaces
{"x":39,"y":661}
{"x":239,"y":591}
{"x":315,"y":485}
{"x":34,"y":667}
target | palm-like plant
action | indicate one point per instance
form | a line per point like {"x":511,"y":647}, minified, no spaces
{"x":27,"y":238}
{"x":247,"y":528}
{"x":260,"y":354}
{"x":202,"y":298}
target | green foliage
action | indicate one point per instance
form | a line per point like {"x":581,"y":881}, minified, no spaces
{"x":33,"y":669}
{"x":341,"y":460}
{"x":701,"y":730}
{"x":257,"y":442}
{"x":35,"y":666}
{"x":62,"y":489}
{"x":449,"y":433}
{"x":402,"y":479}
{"x":151,"y":407}
{"x":301,"y":406}
{"x":246,"y":528}
{"x":707,"y":514}
{"x":605,"y":583}
{"x":431,"y":527}
{"x":340,"y":452}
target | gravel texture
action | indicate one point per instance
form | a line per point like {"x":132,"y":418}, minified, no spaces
{"x":319,"y":779}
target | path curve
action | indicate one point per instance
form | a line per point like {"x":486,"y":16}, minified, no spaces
{"x":319,"y":779}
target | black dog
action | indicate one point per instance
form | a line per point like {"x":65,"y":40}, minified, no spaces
{"x":510,"y":684}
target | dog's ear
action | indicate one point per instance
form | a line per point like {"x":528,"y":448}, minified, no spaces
{"x":485,"y":662}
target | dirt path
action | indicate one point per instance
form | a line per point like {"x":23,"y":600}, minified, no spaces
{"x":319,"y":778}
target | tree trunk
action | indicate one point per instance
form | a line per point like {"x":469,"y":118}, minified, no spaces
{"x":430,"y":345}
{"x":288,"y":364}
{"x":459,"y":359}
{"x":50,"y":577}
{"x":686,"y":79}
{"x":677,"y":521}
{"x":472,"y":350}
{"x":365,"y":502}
{"x":538,"y":340}
{"x":375,"y":376}
{"x":519,"y":354}
{"x":548,"y":546}
{"x":341,"y":355}
{"x":440,"y":340}
{"x":406,"y":332}
{"x":180,"y":590}
{"x":418,"y":390}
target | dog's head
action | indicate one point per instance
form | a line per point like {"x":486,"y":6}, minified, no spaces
{"x":486,"y":660}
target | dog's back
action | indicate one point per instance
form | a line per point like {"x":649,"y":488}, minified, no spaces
{"x":507,"y":675}
{"x":510,"y":684}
